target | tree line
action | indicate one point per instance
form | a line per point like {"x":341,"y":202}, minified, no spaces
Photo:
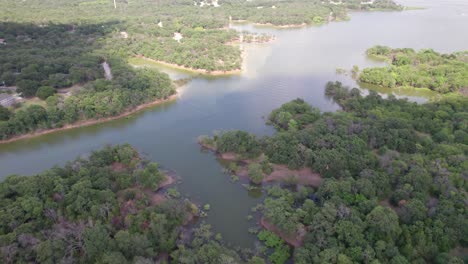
{"x":41,"y":61}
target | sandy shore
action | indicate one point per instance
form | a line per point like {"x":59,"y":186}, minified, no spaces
{"x":201,"y":71}
{"x":90,"y":121}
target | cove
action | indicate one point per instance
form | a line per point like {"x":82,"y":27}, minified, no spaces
{"x":297,"y":64}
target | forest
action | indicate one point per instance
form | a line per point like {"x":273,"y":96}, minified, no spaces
{"x":55,"y":53}
{"x":146,"y":28}
{"x":442,"y":73}
{"x":393,"y":190}
{"x":108,"y":207}
{"x":97,"y":209}
{"x":393,"y":184}
{"x":42,"y":61}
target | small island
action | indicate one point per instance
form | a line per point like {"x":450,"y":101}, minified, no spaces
{"x":424,"y":69}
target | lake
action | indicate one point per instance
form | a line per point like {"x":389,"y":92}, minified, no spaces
{"x":297,"y":64}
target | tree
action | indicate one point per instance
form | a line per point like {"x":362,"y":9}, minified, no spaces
{"x":44,"y":92}
{"x":255,"y":173}
{"x":96,"y":242}
{"x":27,"y":88}
{"x":383,"y":224}
{"x":256,"y":260}
{"x":4,"y":113}
{"x":150,"y":177}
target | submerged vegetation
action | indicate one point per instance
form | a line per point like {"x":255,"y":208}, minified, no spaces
{"x":394,"y":172}
{"x":442,"y":73}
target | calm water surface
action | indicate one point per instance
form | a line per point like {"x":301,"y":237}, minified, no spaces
{"x":297,"y":64}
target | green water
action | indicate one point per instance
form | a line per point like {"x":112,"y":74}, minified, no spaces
{"x":297,"y":64}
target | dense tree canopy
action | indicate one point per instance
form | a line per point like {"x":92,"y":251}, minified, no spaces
{"x":394,"y":179}
{"x":442,"y":73}
{"x":142,"y":27}
{"x":59,"y":46}
{"x":93,"y":210}
{"x":36,"y":56}
{"x":395,"y":182}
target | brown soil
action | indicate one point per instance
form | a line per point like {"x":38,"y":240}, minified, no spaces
{"x":168,"y":181}
{"x":202,"y":71}
{"x":229,"y":156}
{"x":90,"y":121}
{"x":303,"y":176}
{"x":293,"y":240}
{"x":162,"y":258}
{"x":463,"y":91}
{"x":281,"y":173}
{"x":459,"y":251}
{"x":157,"y":198}
{"x":117,"y":166}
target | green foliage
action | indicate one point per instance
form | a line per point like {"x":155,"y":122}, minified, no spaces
{"x":256,"y":260}
{"x":255,"y":173}
{"x":44,"y":92}
{"x":4,"y":113}
{"x":150,"y":177}
{"x":173,"y":193}
{"x":392,"y":188}
{"x":204,"y":248}
{"x":80,"y":213}
{"x":442,"y":73}
{"x":271,"y":240}
{"x":280,"y":213}
{"x":239,"y":142}
{"x":27,"y":88}
{"x":97,"y":98}
{"x":294,"y":115}
{"x":267,"y":168}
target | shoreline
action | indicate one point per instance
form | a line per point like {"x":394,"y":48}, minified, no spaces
{"x":282,"y":26}
{"x":90,"y":122}
{"x":280,"y":172}
{"x":269,"y":24}
{"x":201,"y":71}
